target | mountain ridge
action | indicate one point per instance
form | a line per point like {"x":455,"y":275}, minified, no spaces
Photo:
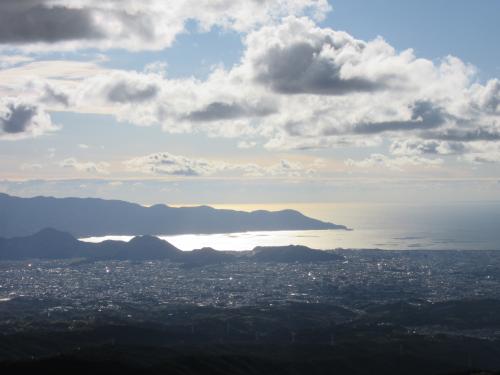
{"x":88,"y":217}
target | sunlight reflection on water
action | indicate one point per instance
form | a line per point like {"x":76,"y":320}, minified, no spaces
{"x":468,"y":226}
{"x":243,"y":240}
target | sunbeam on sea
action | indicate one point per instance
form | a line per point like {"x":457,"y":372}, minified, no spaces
{"x":464,"y":226}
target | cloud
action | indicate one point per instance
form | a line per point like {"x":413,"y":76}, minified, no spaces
{"x":157,"y":67}
{"x":145,"y":25}
{"x":297,"y":86}
{"x":53,"y":96}
{"x":464,"y":135}
{"x":31,"y":166}
{"x":35,"y":21}
{"x":225,"y":111}
{"x":482,"y":157}
{"x":424,"y":115}
{"x":415,"y":146}
{"x":168,"y":164}
{"x":298,"y":57}
{"x":284,"y":141}
{"x":482,"y":152}
{"x":7,"y":61}
{"x":165,"y":163}
{"x":313,"y":71}
{"x":487,"y":98}
{"x":395,"y":163}
{"x":20,"y":119}
{"x":50,"y":85}
{"x":125,"y":92}
{"x":247,"y":144}
{"x":122,"y":93}
{"x":88,"y":167}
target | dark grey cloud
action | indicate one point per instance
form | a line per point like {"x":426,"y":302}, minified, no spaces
{"x":217,"y":111}
{"x":134,"y":25}
{"x":32,"y":21}
{"x":425,"y":115}
{"x":18,"y":118}
{"x":52,"y":96}
{"x":300,"y":68}
{"x":127,"y":92}
{"x":459,"y":135}
{"x":39,"y":21}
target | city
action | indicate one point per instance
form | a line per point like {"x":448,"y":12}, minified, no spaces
{"x":360,"y":278}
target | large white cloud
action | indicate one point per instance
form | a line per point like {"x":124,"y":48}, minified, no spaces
{"x":134,"y":25}
{"x":297,"y":86}
{"x":298,"y":57}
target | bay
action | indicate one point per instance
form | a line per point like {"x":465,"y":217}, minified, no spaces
{"x":436,"y":226}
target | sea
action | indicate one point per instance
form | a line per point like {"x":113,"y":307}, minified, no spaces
{"x":389,"y":226}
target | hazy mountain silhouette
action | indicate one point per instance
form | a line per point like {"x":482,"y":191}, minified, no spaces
{"x":98,"y":217}
{"x":54,"y":244}
{"x":46,"y":244}
{"x":138,"y":248}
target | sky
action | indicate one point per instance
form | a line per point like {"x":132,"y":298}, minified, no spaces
{"x":254,"y":101}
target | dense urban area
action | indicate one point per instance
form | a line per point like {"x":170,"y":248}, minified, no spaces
{"x":413,"y":312}
{"x":362,"y":276}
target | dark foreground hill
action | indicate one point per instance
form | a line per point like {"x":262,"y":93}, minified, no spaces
{"x":54,"y":244}
{"x":98,"y":217}
{"x":294,"y":339}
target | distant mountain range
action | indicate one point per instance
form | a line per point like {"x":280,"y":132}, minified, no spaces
{"x":98,"y":217}
{"x":54,"y":244}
